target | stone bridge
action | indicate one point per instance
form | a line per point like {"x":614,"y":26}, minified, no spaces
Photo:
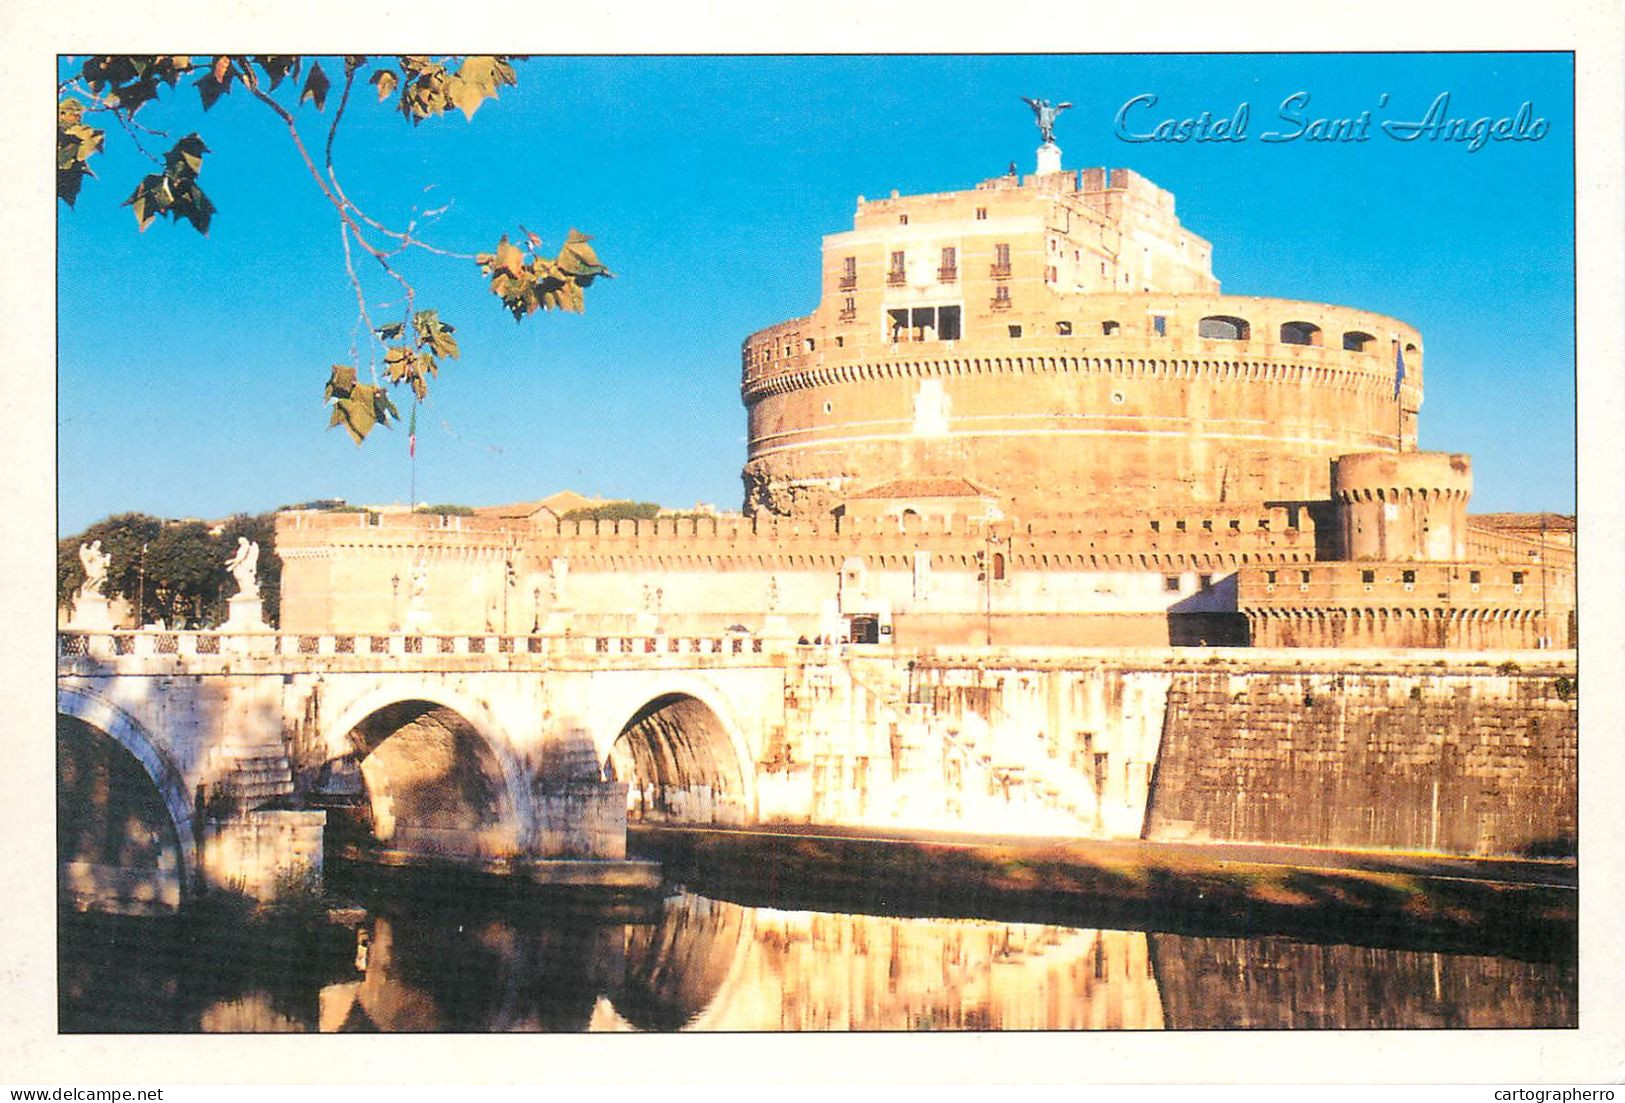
{"x":475,"y":748}
{"x":200,"y":760}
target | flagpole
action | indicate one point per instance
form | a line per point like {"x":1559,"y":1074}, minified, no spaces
{"x":1399,"y":402}
{"x":412,"y":454}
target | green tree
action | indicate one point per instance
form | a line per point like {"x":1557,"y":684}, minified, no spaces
{"x":176,"y":571}
{"x":184,"y":573}
{"x":410,"y":350}
{"x":615,"y":511}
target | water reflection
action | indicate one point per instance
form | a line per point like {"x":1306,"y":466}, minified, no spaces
{"x":702,"y":964}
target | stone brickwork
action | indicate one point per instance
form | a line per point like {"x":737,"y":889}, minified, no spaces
{"x":1468,"y":761}
{"x":264,"y":855}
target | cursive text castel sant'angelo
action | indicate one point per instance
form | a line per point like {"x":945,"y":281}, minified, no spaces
{"x":1139,"y":121}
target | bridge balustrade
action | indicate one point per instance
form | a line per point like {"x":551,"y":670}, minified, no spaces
{"x":121,"y":643}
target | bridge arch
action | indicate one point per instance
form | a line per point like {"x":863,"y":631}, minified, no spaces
{"x":91,"y":711}
{"x":438,"y":772}
{"x":683,"y":760}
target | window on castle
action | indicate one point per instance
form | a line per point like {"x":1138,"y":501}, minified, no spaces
{"x":998,"y":566}
{"x":1015,"y":331}
{"x":981,"y":214}
{"x":902,"y":220}
{"x":923,"y":323}
{"x":1063,"y":329}
{"x":1156,"y":526}
{"x":1517,"y":578}
{"x":1180,"y":525}
{"x":849,"y":308}
{"x":1222,"y":327}
{"x":1408,"y":577}
{"x":849,"y":273}
{"x":949,"y":270}
{"x":1203,"y":581}
{"x":1159,"y":325}
{"x":1368,"y":577}
{"x":1001,"y":259}
{"x":1300,"y":333}
{"x":1170,"y":583}
{"x":1207,"y":526}
{"x":1355,"y":341}
{"x":1303,"y":578}
{"x":897,"y":263}
{"x":1235,"y":524}
{"x":809,"y":344}
{"x":1109,"y":328}
{"x":1269,"y":577}
{"x":1474,"y":577}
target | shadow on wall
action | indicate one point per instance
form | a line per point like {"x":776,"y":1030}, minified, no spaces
{"x":117,"y":849}
{"x":432,"y":784}
{"x":1208,"y":618}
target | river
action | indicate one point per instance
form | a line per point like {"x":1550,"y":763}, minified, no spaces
{"x":691,"y":962}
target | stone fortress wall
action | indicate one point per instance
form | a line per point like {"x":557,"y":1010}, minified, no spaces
{"x":1020,"y":414}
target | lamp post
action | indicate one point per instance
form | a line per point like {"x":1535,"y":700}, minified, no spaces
{"x":141,"y":588}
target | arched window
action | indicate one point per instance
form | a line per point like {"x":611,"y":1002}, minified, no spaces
{"x":1356,"y":341}
{"x":1300,"y":333}
{"x":1224,"y":328}
{"x":998,"y":566}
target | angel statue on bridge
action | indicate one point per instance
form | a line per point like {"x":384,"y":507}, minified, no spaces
{"x":243,"y":564}
{"x":95,"y":561}
{"x":1046,"y":113}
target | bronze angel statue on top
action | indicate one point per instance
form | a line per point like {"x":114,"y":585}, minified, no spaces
{"x":1046,"y":113}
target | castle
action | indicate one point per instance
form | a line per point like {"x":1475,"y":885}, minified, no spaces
{"x":1021,"y":414}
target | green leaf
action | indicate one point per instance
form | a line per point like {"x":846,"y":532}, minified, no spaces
{"x":209,"y":90}
{"x":278,"y":67}
{"x":340,"y":382}
{"x":465,"y":96}
{"x":316,"y":86}
{"x":384,"y":80}
{"x":76,"y":144}
{"x":390,"y":331}
{"x":185,"y":158}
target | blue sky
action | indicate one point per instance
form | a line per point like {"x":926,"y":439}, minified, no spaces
{"x":190,"y":369}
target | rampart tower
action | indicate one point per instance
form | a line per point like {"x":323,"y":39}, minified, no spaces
{"x":1402,"y":506}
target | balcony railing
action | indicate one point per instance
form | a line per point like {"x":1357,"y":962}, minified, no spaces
{"x":896,"y":278}
{"x":849,"y":283}
{"x":947,"y":275}
{"x":1000,"y":271}
{"x":1001,"y":304}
